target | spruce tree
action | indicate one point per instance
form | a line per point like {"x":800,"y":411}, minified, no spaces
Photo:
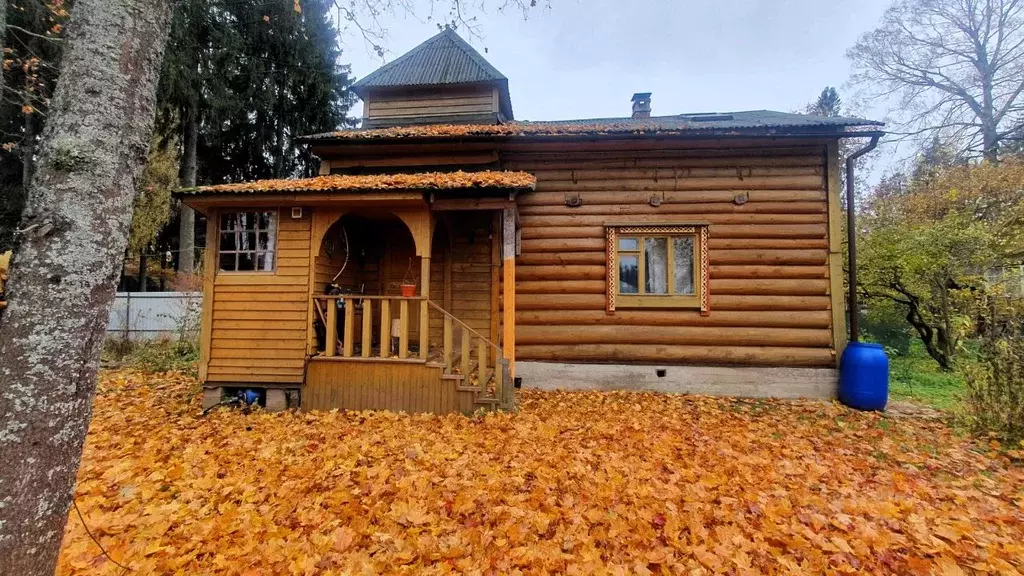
{"x":240,"y":82}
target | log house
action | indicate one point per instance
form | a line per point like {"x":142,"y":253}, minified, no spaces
{"x":689,"y":253}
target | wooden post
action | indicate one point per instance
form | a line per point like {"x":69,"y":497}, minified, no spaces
{"x":367,"y":343}
{"x":448,"y":346}
{"x":209,"y":272}
{"x":331,"y":345}
{"x":424,"y":308}
{"x":481,"y":361}
{"x":507,"y":390}
{"x":385,"y":328}
{"x":403,"y":328}
{"x":465,"y":354}
{"x":348,"y":341}
{"x":498,"y":363}
{"x":508,"y":236}
{"x":835,"y":250}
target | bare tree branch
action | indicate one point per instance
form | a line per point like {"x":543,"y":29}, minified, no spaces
{"x":949,"y":67}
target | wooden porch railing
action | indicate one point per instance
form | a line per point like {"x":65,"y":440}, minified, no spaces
{"x":503,"y":389}
{"x":327,"y":311}
{"x":472,"y":344}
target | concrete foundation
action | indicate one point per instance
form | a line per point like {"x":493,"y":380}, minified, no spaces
{"x":821,"y":383}
{"x":277,"y":400}
{"x":212,"y":396}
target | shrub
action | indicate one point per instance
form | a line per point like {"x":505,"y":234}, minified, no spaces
{"x":155,"y":356}
{"x":993,"y":401}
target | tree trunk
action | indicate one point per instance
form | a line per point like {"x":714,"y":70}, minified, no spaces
{"x":64,"y":271}
{"x":28,"y":151}
{"x":990,"y":143}
{"x":3,"y":36}
{"x":187,"y":225}
{"x":279,"y":132}
{"x":143,"y":272}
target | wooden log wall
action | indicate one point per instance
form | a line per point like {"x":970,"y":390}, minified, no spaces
{"x":769,"y":253}
{"x":258,"y":328}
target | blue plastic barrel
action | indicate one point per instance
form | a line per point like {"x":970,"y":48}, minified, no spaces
{"x":864,"y":376}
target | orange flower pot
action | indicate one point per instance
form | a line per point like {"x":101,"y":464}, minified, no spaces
{"x":408,"y":290}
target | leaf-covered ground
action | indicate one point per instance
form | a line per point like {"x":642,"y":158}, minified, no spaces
{"x":576,"y":483}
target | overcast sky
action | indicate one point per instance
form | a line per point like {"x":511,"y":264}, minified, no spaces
{"x":585,"y":58}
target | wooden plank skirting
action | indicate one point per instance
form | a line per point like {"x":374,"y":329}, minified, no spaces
{"x":399,"y":386}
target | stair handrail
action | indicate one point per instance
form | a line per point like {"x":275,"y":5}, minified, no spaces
{"x":465,"y":326}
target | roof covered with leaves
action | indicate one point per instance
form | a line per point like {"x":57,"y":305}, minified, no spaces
{"x":369,"y":183}
{"x":444,"y":59}
{"x":727,"y":123}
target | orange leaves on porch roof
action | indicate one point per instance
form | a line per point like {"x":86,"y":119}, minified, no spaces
{"x":363,"y":183}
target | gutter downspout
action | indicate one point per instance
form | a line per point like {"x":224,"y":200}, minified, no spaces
{"x":851,"y":237}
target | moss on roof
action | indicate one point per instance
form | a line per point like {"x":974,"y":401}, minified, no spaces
{"x":368,"y":183}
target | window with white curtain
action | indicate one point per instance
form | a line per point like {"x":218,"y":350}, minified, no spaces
{"x":247,"y":241}
{"x":657,"y":266}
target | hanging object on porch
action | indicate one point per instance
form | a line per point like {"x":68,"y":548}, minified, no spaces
{"x":348,"y":251}
{"x":408,"y":285}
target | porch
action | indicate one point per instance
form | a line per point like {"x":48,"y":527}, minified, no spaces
{"x":405,"y":311}
{"x":376,"y":362}
{"x":370,"y":292}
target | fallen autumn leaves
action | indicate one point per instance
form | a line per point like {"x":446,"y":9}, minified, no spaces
{"x":578,"y":483}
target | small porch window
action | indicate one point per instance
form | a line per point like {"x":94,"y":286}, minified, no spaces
{"x":657,"y":267}
{"x":247,"y":241}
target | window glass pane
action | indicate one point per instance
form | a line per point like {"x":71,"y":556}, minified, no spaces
{"x":227,"y":261}
{"x":628,"y":244}
{"x":227,"y":241}
{"x":265,"y":261}
{"x":264,"y":242}
{"x":265,"y":219}
{"x":228,"y":221}
{"x":656,"y":265}
{"x":246,"y":261}
{"x":247,"y":241}
{"x":248,"y":220}
{"x":683,"y":266}
{"x":628,"y":271}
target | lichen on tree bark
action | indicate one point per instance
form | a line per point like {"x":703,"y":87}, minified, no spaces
{"x":65,"y":268}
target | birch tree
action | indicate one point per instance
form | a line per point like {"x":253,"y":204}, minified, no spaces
{"x":73,"y":236}
{"x":953,"y":68}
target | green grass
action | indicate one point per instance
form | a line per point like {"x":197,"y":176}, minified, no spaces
{"x":916,"y":377}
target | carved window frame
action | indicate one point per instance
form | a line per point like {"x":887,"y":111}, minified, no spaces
{"x":698,"y":301}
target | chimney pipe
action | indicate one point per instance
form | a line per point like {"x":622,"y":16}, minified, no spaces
{"x":641,"y":105}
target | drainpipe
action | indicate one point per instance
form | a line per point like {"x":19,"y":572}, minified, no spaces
{"x":851,"y":237}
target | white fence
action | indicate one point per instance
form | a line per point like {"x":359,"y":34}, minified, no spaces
{"x":152,"y":315}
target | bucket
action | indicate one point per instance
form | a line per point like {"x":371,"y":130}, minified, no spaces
{"x":408,"y":290}
{"x":864,"y":376}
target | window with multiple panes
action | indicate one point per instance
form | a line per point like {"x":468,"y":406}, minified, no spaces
{"x":657,"y":266}
{"x":247,"y":241}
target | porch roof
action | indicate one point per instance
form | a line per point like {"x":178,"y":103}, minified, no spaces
{"x":448,"y":181}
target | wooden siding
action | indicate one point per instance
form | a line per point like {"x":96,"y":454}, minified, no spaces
{"x":769,"y":253}
{"x":460,"y":272}
{"x":452,"y":102}
{"x":258,"y":320}
{"x":365,"y":385}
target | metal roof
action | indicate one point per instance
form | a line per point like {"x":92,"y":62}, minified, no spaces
{"x":753,"y":122}
{"x":444,"y":59}
{"x":716,"y":121}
